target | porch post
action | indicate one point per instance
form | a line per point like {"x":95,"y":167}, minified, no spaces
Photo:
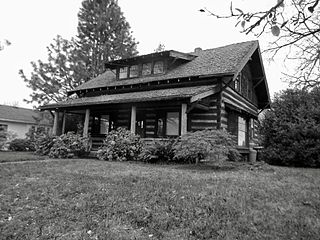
{"x":133,"y":119}
{"x":55,"y":123}
{"x":86,"y":123}
{"x":63,"y":122}
{"x":183,"y":118}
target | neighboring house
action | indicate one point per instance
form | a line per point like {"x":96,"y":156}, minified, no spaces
{"x":169,"y":93}
{"x":19,"y":120}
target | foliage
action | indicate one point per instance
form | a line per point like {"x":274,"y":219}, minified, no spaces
{"x":21,"y":144}
{"x":69,"y":145}
{"x":215,"y":144}
{"x":158,"y":151}
{"x":296,"y":26}
{"x":5,"y":138}
{"x":291,"y":129}
{"x":4,"y":43}
{"x":103,"y":35}
{"x":43,"y":143}
{"x":120,"y":145}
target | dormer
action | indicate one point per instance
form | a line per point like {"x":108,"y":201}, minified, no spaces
{"x":148,"y":65}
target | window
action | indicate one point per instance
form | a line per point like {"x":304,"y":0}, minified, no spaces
{"x":158,"y":67}
{"x":146,"y":69}
{"x":172,"y":124}
{"x":123,"y":72}
{"x":242,"y":131}
{"x":134,"y":71}
{"x":104,"y":124}
{"x":237,"y":83}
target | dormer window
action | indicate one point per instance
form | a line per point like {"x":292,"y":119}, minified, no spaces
{"x":134,"y":71}
{"x":123,"y":72}
{"x":158,"y":67}
{"x":146,"y":69}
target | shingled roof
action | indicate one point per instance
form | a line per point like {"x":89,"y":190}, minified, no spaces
{"x":142,"y":96}
{"x":224,"y":60}
{"x":22,"y":115}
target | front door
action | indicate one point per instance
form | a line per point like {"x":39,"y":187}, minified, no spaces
{"x":140,"y":124}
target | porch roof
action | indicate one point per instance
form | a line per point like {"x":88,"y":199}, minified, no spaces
{"x":133,"y":97}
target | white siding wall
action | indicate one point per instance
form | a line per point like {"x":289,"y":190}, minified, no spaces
{"x":18,"y":128}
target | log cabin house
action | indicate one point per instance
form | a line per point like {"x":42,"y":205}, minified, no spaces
{"x":169,"y":93}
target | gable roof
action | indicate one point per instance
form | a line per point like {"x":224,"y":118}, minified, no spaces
{"x":22,"y":115}
{"x":226,"y":60}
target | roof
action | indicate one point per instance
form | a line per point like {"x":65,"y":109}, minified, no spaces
{"x":22,"y":115}
{"x":224,"y":60}
{"x":142,"y":96}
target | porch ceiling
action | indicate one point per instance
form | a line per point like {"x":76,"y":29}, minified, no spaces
{"x":134,"y":97}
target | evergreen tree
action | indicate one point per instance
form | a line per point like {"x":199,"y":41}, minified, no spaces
{"x":103,"y":34}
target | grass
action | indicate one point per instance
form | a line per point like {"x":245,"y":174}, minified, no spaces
{"x":90,"y":199}
{"x":19,"y":156}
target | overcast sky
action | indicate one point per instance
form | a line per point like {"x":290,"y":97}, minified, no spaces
{"x":31,"y":26}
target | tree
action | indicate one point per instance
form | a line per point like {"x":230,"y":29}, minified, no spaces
{"x":63,"y":71}
{"x":161,"y":47}
{"x":291,"y":129}
{"x":296,"y":26}
{"x":4,"y":43}
{"x":103,"y":34}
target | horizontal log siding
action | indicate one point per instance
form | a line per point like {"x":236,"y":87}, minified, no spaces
{"x":224,"y":117}
{"x":122,"y":118}
{"x":150,"y":123}
{"x":200,"y":120}
{"x":239,"y":101}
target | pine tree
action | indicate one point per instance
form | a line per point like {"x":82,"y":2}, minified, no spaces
{"x":104,"y":34}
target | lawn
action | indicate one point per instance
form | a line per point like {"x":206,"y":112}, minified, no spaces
{"x":19,"y":156}
{"x":90,"y":199}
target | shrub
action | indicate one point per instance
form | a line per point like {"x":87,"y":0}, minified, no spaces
{"x":159,"y":151}
{"x":69,"y":145}
{"x":291,"y":129}
{"x":212,"y":144}
{"x":120,"y":145}
{"x":5,"y":138}
{"x":43,"y":143}
{"x":20,"y":144}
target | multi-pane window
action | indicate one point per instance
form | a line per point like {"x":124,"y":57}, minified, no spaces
{"x":104,"y":124}
{"x":146,"y":69}
{"x":134,"y":71}
{"x":172,"y":124}
{"x":242,"y":131}
{"x":158,"y":67}
{"x":123,"y":72}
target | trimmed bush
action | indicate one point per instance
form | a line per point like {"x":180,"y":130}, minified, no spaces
{"x":20,"y":144}
{"x":69,"y":145}
{"x":214,"y":145}
{"x":159,"y":151}
{"x":120,"y":145}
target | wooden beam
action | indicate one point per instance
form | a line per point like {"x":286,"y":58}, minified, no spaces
{"x":203,"y":95}
{"x":63,"y":123}
{"x":55,"y":123}
{"x":261,"y":80}
{"x":133,"y":119}
{"x":86,"y":123}
{"x":184,"y":118}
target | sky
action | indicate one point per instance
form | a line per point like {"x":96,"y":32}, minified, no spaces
{"x":178,"y":24}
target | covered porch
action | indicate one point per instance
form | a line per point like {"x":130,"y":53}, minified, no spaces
{"x":161,"y":113}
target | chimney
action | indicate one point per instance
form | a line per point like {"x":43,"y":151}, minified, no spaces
{"x":198,"y":50}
